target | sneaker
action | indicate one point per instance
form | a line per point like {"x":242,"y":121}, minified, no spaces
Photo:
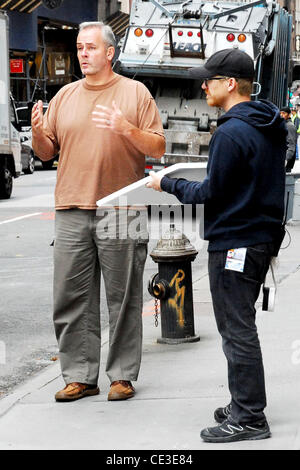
{"x":121,"y":390}
{"x":75,"y":391}
{"x":229,"y":431}
{"x":222,"y":413}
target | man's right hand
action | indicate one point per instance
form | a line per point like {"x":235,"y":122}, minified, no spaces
{"x":42,"y":145}
{"x":37,"y":118}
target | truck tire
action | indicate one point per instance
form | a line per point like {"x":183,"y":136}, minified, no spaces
{"x":30,"y":169}
{"x":6,"y":183}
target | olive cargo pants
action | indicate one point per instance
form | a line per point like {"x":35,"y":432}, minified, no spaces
{"x":87,"y":244}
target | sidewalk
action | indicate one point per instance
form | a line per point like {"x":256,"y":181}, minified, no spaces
{"x":178,"y":389}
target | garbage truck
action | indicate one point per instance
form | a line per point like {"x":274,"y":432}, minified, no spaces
{"x":165,"y":39}
{"x":10,"y":146}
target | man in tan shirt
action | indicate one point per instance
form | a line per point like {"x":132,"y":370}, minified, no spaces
{"x":103,"y":126}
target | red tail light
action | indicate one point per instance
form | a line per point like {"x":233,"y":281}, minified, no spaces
{"x":230,"y":37}
{"x":149,"y":33}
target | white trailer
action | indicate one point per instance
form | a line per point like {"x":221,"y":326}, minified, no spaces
{"x":10,"y":147}
{"x":167,"y":38}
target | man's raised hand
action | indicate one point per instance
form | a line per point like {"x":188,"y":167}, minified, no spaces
{"x":37,"y":117}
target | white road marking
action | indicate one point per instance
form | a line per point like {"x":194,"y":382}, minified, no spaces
{"x":41,"y":200}
{"x":20,"y":218}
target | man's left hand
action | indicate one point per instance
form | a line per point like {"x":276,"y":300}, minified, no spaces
{"x":111,"y":118}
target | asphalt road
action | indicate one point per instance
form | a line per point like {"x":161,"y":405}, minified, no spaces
{"x":26,"y":232}
{"x":27,"y":340}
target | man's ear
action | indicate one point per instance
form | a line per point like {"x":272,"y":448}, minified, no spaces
{"x":232,"y":84}
{"x":110,"y":52}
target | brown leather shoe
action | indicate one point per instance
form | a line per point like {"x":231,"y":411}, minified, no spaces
{"x":76,"y":390}
{"x":121,"y":390}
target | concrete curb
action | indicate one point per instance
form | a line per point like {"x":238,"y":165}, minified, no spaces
{"x":50,"y":373}
{"x":40,"y":380}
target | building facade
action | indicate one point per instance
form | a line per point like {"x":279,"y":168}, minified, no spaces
{"x":42,"y":38}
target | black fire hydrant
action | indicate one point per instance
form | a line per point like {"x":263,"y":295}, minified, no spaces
{"x":173,"y":287}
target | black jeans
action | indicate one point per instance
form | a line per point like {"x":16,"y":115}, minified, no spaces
{"x":234,"y":295}
{"x":290,"y":164}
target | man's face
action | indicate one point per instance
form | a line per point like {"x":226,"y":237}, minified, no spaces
{"x":284,"y":115}
{"x":93,"y":54}
{"x":216,"y":91}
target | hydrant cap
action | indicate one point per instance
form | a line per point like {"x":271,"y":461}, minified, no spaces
{"x":173,"y":245}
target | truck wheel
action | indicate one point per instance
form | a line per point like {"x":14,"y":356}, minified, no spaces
{"x":6,"y":183}
{"x":30,"y":169}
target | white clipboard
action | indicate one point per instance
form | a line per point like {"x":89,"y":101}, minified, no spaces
{"x":137,"y":193}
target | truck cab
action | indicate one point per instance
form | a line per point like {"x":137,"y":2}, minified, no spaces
{"x":10,"y":154}
{"x":15,"y":137}
{"x":10,"y":146}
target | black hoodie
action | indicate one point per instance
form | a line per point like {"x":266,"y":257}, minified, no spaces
{"x":243,"y":192}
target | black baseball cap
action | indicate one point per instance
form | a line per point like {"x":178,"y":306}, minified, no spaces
{"x":286,"y":109}
{"x":227,"y":63}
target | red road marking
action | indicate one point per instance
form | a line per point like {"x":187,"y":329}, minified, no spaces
{"x":148,"y":308}
{"x":47,"y":216}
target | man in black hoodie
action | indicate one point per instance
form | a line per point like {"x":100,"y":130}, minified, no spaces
{"x":243,"y":197}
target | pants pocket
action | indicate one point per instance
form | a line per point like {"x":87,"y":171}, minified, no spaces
{"x":257,"y":263}
{"x":141,"y":252}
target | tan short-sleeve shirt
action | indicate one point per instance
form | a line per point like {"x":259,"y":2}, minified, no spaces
{"x":94,"y":162}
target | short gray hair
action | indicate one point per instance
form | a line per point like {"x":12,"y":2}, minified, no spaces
{"x":107,"y":32}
